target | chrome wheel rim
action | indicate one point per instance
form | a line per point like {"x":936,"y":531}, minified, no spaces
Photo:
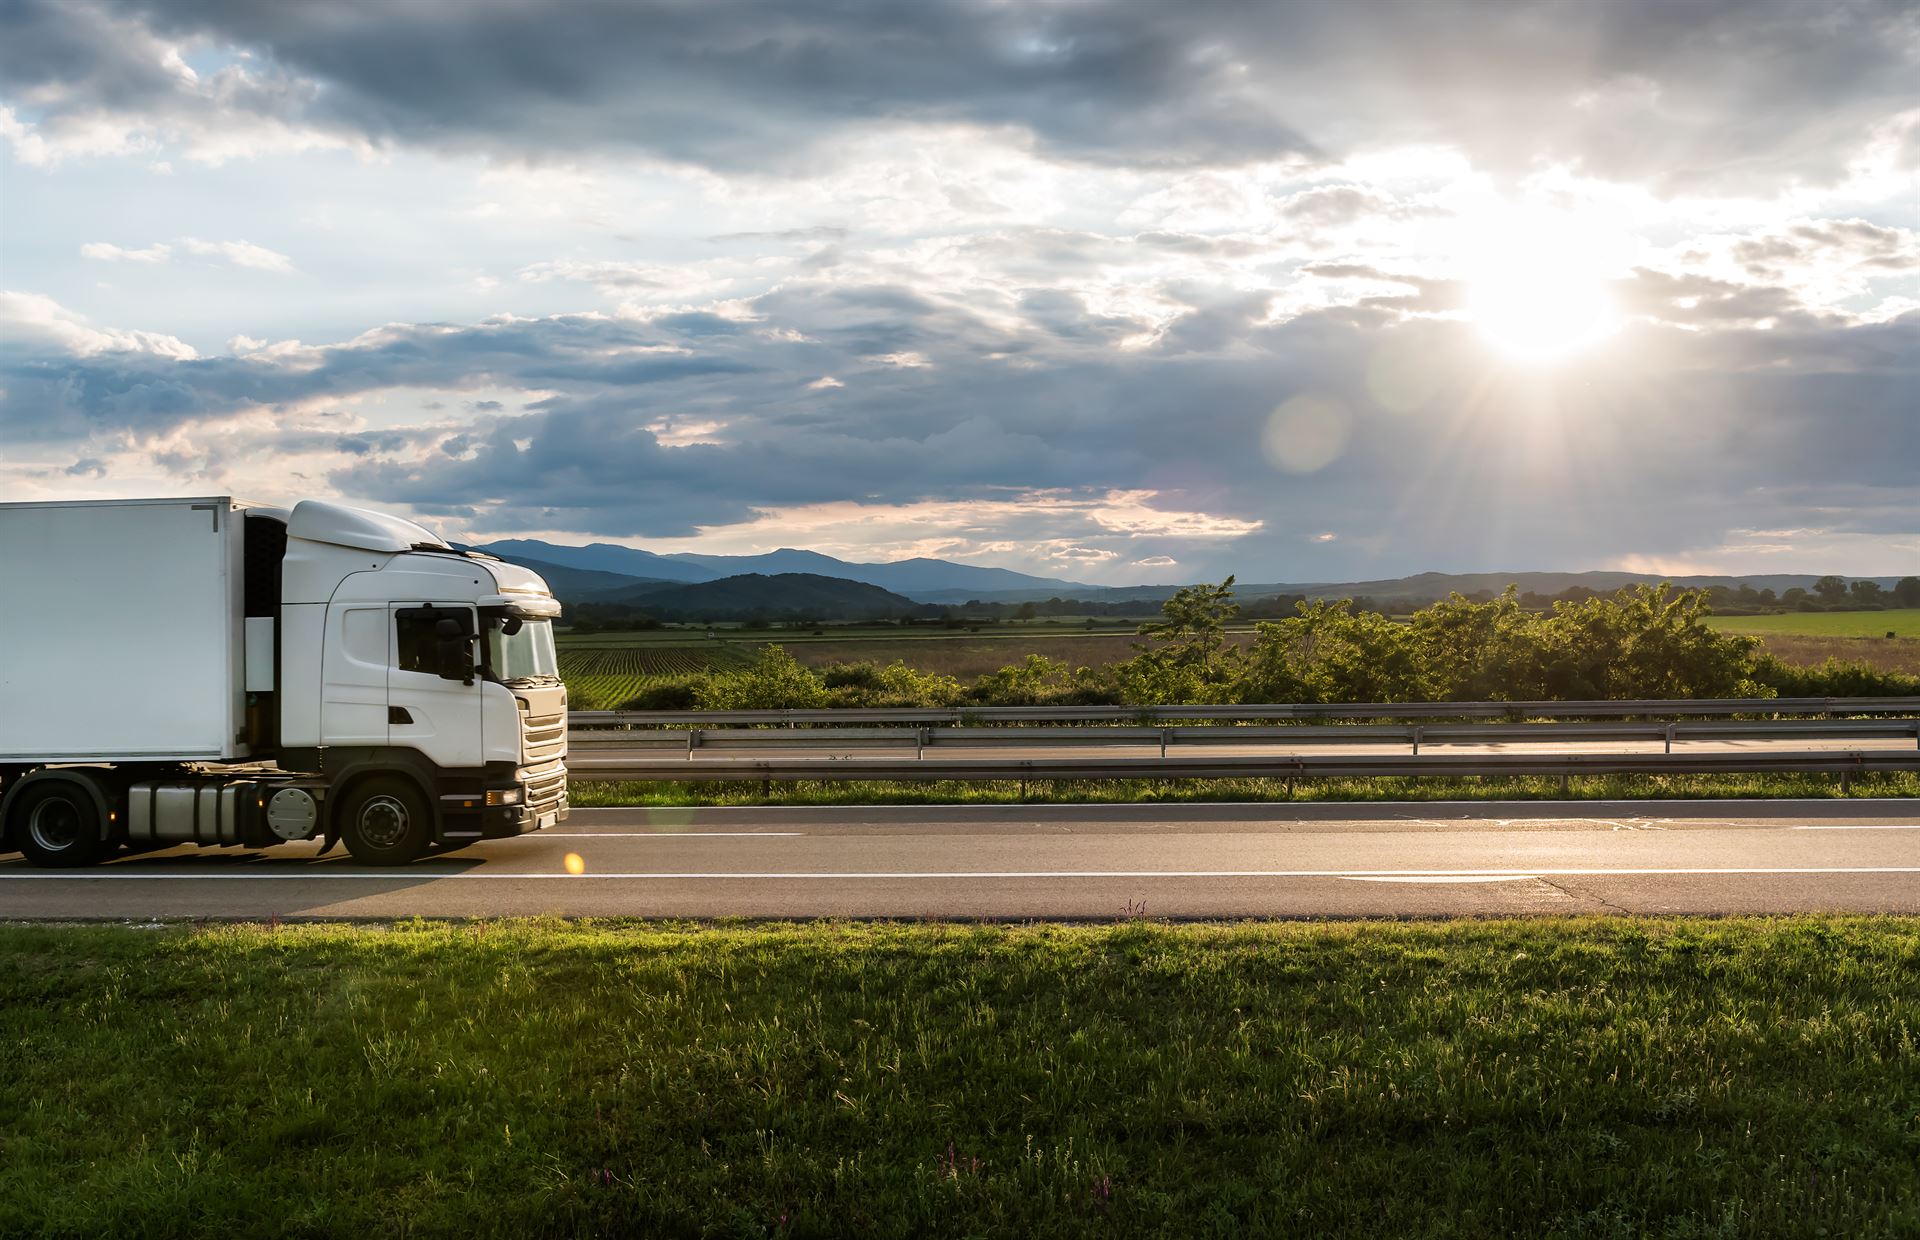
{"x":55,"y":824}
{"x":383,"y":821}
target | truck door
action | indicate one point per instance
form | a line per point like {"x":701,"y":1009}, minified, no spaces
{"x":426,"y":711}
{"x":353,"y":691}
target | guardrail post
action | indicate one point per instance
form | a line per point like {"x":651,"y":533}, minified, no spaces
{"x":1163,"y":741}
{"x":1670,"y":738}
{"x":693,"y":739}
{"x":1417,"y":733}
{"x":920,"y":743}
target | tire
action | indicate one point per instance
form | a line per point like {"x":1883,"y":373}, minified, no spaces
{"x":56,"y":825}
{"x":386,"y":821}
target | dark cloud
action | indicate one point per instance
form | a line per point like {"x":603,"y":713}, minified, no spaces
{"x":1712,"y":92}
{"x":1688,"y":425}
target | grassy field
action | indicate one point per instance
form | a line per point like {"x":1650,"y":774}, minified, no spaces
{"x":1565,"y":1078}
{"x":1903,"y":622}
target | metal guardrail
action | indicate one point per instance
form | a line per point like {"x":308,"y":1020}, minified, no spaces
{"x":965,"y":715}
{"x":1292,"y":766}
{"x":919,"y":740}
{"x":623,"y":744}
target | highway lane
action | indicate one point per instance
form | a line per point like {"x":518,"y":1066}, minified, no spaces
{"x":1064,"y":862}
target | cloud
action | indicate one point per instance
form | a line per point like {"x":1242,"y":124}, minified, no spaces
{"x":236,"y":253}
{"x":1710,"y":94}
{"x":107,"y":252}
{"x":1056,"y":446}
{"x":239,"y":253}
{"x":31,"y":323}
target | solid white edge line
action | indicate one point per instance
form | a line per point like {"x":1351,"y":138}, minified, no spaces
{"x":1857,"y":826}
{"x":668,"y":835}
{"x":421,"y":876}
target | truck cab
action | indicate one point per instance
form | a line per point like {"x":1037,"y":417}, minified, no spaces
{"x":356,"y":678}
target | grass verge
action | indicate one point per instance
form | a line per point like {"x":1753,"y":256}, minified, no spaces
{"x":1573,"y":1078}
{"x":589,"y":793}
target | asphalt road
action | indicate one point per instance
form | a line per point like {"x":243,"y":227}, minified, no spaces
{"x":1097,"y":862}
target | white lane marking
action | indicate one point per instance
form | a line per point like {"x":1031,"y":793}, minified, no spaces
{"x":1439,"y":878}
{"x":1858,"y":826}
{"x":666,"y":835}
{"x":422,"y":875}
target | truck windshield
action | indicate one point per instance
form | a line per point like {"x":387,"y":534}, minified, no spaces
{"x":520,"y":649}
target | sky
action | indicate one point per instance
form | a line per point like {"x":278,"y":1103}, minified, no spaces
{"x":1110,"y":292}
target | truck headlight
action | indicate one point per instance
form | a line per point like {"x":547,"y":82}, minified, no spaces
{"x":503,"y":796}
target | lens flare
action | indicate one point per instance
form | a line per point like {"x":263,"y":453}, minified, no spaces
{"x":576,"y":865}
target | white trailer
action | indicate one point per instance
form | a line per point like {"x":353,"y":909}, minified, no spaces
{"x":200,"y":670}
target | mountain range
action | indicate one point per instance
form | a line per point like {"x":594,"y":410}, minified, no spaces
{"x":790,"y":583}
{"x":920,"y":579}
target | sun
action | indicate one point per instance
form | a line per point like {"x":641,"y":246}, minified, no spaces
{"x":1537,"y":293}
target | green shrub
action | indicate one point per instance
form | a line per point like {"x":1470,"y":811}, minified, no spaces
{"x":775,"y":681}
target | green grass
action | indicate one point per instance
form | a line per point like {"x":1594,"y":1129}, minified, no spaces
{"x":1555,"y":1078}
{"x":593,"y":793}
{"x":1903,"y":622}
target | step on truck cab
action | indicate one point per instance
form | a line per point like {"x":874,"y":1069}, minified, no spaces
{"x":204,"y":671}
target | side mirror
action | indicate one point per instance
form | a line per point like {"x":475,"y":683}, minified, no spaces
{"x":456,"y":650}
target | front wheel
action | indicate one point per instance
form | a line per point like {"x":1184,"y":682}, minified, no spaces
{"x":386,"y":821}
{"x":56,"y":825}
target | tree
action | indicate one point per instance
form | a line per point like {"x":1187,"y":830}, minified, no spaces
{"x":1865,"y":592}
{"x":1187,"y":657}
{"x":1907,"y":592}
{"x":1330,"y":653}
{"x":1830,"y":589}
{"x":1193,"y":624}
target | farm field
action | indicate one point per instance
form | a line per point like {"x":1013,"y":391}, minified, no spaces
{"x":1903,"y":621}
{"x":602,"y":678}
{"x":796,"y":637}
{"x":964,"y":656}
{"x":604,"y":670}
{"x":1882,"y":654}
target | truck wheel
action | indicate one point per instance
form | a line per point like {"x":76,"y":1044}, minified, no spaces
{"x":56,"y":825}
{"x":386,"y":821}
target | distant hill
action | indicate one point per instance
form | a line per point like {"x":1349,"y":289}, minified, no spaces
{"x":1422,"y":587}
{"x":581,"y":582}
{"x":781,"y":596}
{"x":600,"y":558}
{"x":1439,"y":585}
{"x":612,"y":573}
{"x":918,"y":579}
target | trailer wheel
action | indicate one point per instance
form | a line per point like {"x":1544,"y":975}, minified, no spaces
{"x":385,"y":821}
{"x":56,"y":825}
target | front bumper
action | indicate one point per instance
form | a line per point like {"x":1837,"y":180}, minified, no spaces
{"x":472,"y":819}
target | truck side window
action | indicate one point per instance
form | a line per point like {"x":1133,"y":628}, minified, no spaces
{"x":418,"y":645}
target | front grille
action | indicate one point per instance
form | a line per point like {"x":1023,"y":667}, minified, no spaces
{"x":546,"y":786}
{"x":543,"y":738}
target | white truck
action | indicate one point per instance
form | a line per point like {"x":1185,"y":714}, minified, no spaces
{"x":204,"y":671}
